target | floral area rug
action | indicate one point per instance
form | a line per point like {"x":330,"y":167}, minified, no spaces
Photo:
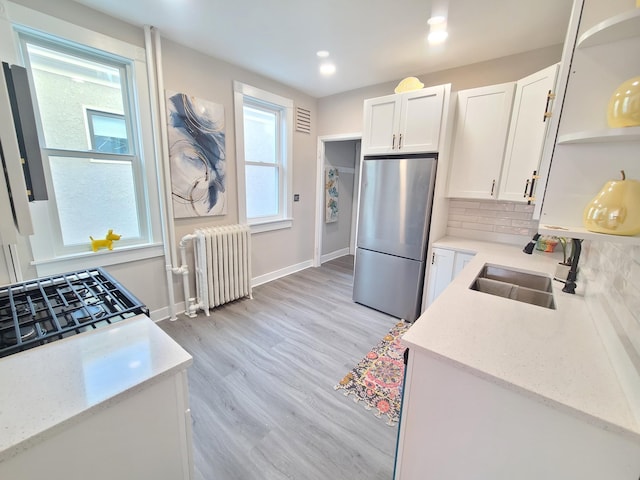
{"x":376,"y":380}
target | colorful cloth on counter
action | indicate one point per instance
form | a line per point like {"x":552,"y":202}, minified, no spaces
{"x":377,"y":379}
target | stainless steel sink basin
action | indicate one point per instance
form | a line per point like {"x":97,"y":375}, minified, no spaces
{"x":522,"y":279}
{"x":523,"y":287}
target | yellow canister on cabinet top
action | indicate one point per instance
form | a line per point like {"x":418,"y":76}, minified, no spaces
{"x":615,"y":209}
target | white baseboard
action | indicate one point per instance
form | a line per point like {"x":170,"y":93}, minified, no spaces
{"x":267,"y":277}
{"x":337,"y":254}
{"x":163,"y":313}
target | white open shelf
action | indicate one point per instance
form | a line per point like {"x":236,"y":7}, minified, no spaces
{"x":628,"y":134}
{"x":620,"y":27}
{"x":581,"y":232}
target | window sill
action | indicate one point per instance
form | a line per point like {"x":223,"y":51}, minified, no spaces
{"x":259,"y":227}
{"x":101,"y":258}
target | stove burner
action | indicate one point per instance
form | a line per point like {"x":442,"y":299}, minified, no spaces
{"x":85,"y":314}
{"x":48,"y":309}
{"x":26,"y":333}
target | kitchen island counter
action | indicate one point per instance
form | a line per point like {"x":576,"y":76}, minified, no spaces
{"x":49,"y":389}
{"x":554,"y":356}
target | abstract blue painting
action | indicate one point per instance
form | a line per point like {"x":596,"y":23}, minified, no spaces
{"x":197,"y":156}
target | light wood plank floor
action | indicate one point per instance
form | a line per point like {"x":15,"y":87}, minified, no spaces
{"x":261,"y":385}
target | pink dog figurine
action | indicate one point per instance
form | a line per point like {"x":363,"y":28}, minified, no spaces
{"x":107,"y":242}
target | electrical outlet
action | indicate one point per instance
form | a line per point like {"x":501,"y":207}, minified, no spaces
{"x":296,"y":197}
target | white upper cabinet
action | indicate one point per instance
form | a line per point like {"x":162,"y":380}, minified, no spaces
{"x":403,"y":123}
{"x":420,"y":120}
{"x":480,"y":134}
{"x":381,"y":122}
{"x":499,"y":138}
{"x":528,"y":126}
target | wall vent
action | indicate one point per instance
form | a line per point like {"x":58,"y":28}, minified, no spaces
{"x":303,"y":120}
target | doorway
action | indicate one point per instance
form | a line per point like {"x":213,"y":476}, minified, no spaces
{"x":335,"y":234}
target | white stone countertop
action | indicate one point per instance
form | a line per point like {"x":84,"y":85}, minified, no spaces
{"x":553,"y":356}
{"x":45,"y":389}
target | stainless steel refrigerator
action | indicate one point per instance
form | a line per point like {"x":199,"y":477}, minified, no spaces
{"x":396,"y":196}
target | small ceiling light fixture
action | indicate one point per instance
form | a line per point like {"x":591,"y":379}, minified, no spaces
{"x":437,"y":37}
{"x":327,"y":69}
{"x":322,"y":53}
{"x":437,"y":30}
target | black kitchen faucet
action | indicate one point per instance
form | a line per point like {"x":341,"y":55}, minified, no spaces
{"x":570,"y":284}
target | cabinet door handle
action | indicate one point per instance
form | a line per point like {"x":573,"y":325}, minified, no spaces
{"x":493,"y":186}
{"x":547,"y":113}
{"x":534,"y":177}
{"x":400,"y":142}
{"x":393,"y":142}
{"x":526,"y":187}
{"x":433,"y":258}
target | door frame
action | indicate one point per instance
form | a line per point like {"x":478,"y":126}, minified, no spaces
{"x":317,"y":249}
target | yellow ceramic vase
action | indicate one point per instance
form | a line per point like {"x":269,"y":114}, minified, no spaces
{"x":624,"y":105}
{"x":616,"y":209}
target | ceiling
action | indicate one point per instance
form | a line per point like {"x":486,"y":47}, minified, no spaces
{"x":370,"y":41}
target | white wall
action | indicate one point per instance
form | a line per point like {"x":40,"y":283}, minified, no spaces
{"x":188,"y":71}
{"x":194,"y":73}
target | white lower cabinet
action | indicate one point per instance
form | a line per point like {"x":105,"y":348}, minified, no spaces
{"x":459,"y":426}
{"x":460,"y":261}
{"x":445,"y":266}
{"x":143,"y":435}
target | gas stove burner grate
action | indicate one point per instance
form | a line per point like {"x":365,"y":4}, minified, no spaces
{"x":40,"y":311}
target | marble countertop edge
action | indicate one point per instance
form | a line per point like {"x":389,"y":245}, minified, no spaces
{"x":19,"y":437}
{"x":535,"y":396}
{"x":569,"y":369}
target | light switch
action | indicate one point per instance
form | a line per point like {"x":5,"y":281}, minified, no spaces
{"x":296,"y":197}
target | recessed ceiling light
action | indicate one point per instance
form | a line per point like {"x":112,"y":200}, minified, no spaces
{"x":437,"y":37}
{"x":327,"y":69}
{"x":322,"y":53}
{"x":437,"y":20}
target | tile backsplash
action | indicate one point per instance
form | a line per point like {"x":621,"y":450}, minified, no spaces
{"x":610,"y":273}
{"x":491,"y":220}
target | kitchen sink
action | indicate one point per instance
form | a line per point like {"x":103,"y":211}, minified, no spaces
{"x":523,"y":287}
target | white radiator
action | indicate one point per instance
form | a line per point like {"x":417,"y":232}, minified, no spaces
{"x":223,"y":264}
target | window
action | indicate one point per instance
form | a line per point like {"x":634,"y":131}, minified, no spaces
{"x":91,"y":105}
{"x":107,"y":132}
{"x":264,"y":148}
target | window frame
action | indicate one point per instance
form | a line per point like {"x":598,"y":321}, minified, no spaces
{"x":49,"y":256}
{"x":90,"y":113}
{"x":254,"y":97}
